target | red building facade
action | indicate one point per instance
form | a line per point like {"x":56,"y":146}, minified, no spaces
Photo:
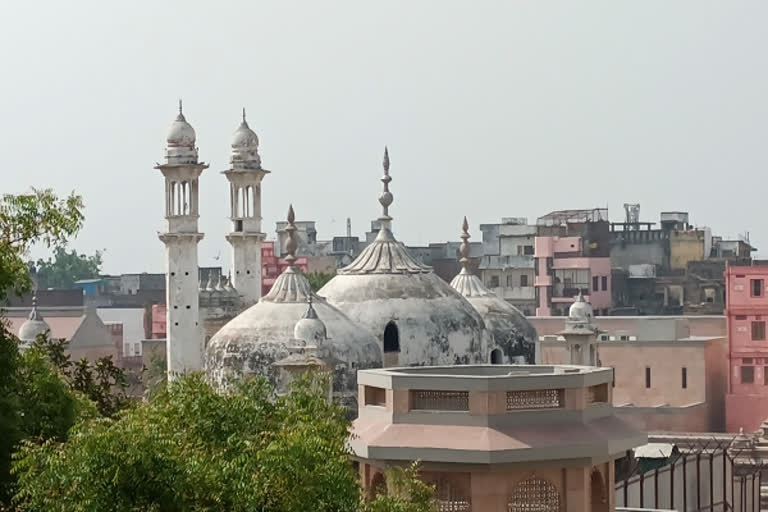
{"x":746,"y":405}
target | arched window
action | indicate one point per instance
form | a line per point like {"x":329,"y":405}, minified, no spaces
{"x":496,"y":356}
{"x":534,"y":494}
{"x":391,"y":338}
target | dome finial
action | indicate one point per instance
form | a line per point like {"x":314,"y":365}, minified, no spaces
{"x":243,"y":114}
{"x":291,"y":245}
{"x":386,"y":198}
{"x":180,"y":117}
{"x":464,"y":247}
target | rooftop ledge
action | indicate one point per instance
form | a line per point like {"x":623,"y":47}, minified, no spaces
{"x":486,"y":377}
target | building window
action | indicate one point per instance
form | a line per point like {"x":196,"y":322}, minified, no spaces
{"x":496,"y":356}
{"x":741,"y":317}
{"x":685,"y":377}
{"x":524,"y":280}
{"x":605,"y":283}
{"x":757,"y":287}
{"x":494,"y":282}
{"x":647,"y":377}
{"x":595,"y":283}
{"x":747,"y":374}
{"x":765,"y":375}
{"x":510,"y":281}
{"x":758,"y":331}
{"x":528,"y":250}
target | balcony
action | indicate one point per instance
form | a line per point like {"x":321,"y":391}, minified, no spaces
{"x":515,"y":292}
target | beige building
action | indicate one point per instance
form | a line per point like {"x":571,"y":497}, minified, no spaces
{"x":666,"y":377}
{"x":495,"y":437}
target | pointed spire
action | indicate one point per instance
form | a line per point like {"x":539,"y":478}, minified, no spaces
{"x":291,"y":245}
{"x":243,"y":114}
{"x":180,"y":117}
{"x":386,"y":198}
{"x":464,"y":247}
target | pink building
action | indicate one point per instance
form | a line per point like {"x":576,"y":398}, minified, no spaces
{"x":562,"y":270}
{"x":746,"y":309}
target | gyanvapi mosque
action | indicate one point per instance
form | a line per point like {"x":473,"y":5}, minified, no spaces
{"x":384,"y":309}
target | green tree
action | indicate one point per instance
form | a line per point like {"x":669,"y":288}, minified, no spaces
{"x":192,"y":448}
{"x":27,"y":219}
{"x":66,"y":267}
{"x":318,"y":279}
{"x":404,"y":493}
{"x":100,"y":381}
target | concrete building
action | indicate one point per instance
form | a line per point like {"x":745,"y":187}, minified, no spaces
{"x":507,"y":264}
{"x":497,"y":437}
{"x":85,"y":333}
{"x":245,"y":175}
{"x":669,"y":372}
{"x":572,"y":255}
{"x":747,"y":312}
{"x":182,"y":170}
{"x":675,"y":269}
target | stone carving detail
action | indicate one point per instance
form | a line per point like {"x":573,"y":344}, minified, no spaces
{"x":534,"y":494}
{"x":440,"y":400}
{"x":535,"y":399}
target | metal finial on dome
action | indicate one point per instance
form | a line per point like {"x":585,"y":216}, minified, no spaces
{"x":243,"y":114}
{"x":34,"y":314}
{"x":464,"y":247}
{"x":311,"y":313}
{"x":180,"y":117}
{"x":580,"y":297}
{"x":386,"y":198}
{"x":291,"y":245}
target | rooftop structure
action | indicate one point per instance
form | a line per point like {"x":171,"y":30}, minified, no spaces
{"x":495,"y":437}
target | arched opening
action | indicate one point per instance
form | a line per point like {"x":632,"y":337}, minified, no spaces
{"x":598,"y":496}
{"x":496,"y":356}
{"x":391,"y":338}
{"x":534,"y":493}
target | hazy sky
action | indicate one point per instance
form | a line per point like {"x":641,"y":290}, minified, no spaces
{"x":489,"y":109}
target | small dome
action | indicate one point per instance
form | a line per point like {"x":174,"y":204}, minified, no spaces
{"x":34,"y":326}
{"x":244,"y":137}
{"x":310,"y":329}
{"x":181,"y":133}
{"x":580,"y":309}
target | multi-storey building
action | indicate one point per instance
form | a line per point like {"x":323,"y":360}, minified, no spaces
{"x":747,"y":312}
{"x":507,"y":263}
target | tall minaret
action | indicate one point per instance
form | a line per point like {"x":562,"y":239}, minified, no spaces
{"x":245,"y":177}
{"x":184,"y":338}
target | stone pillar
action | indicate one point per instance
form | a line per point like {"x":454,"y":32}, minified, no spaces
{"x":577,"y":497}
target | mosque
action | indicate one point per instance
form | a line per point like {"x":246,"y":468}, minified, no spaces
{"x":383,"y":309}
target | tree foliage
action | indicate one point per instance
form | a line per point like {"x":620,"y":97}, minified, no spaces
{"x":27,"y":219}
{"x":318,"y":279}
{"x":404,"y":493}
{"x":100,"y":381}
{"x":66,"y":267}
{"x":192,"y":448}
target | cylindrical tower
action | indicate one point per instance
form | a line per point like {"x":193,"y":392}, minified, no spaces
{"x":181,"y":169}
{"x":245,"y":175}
